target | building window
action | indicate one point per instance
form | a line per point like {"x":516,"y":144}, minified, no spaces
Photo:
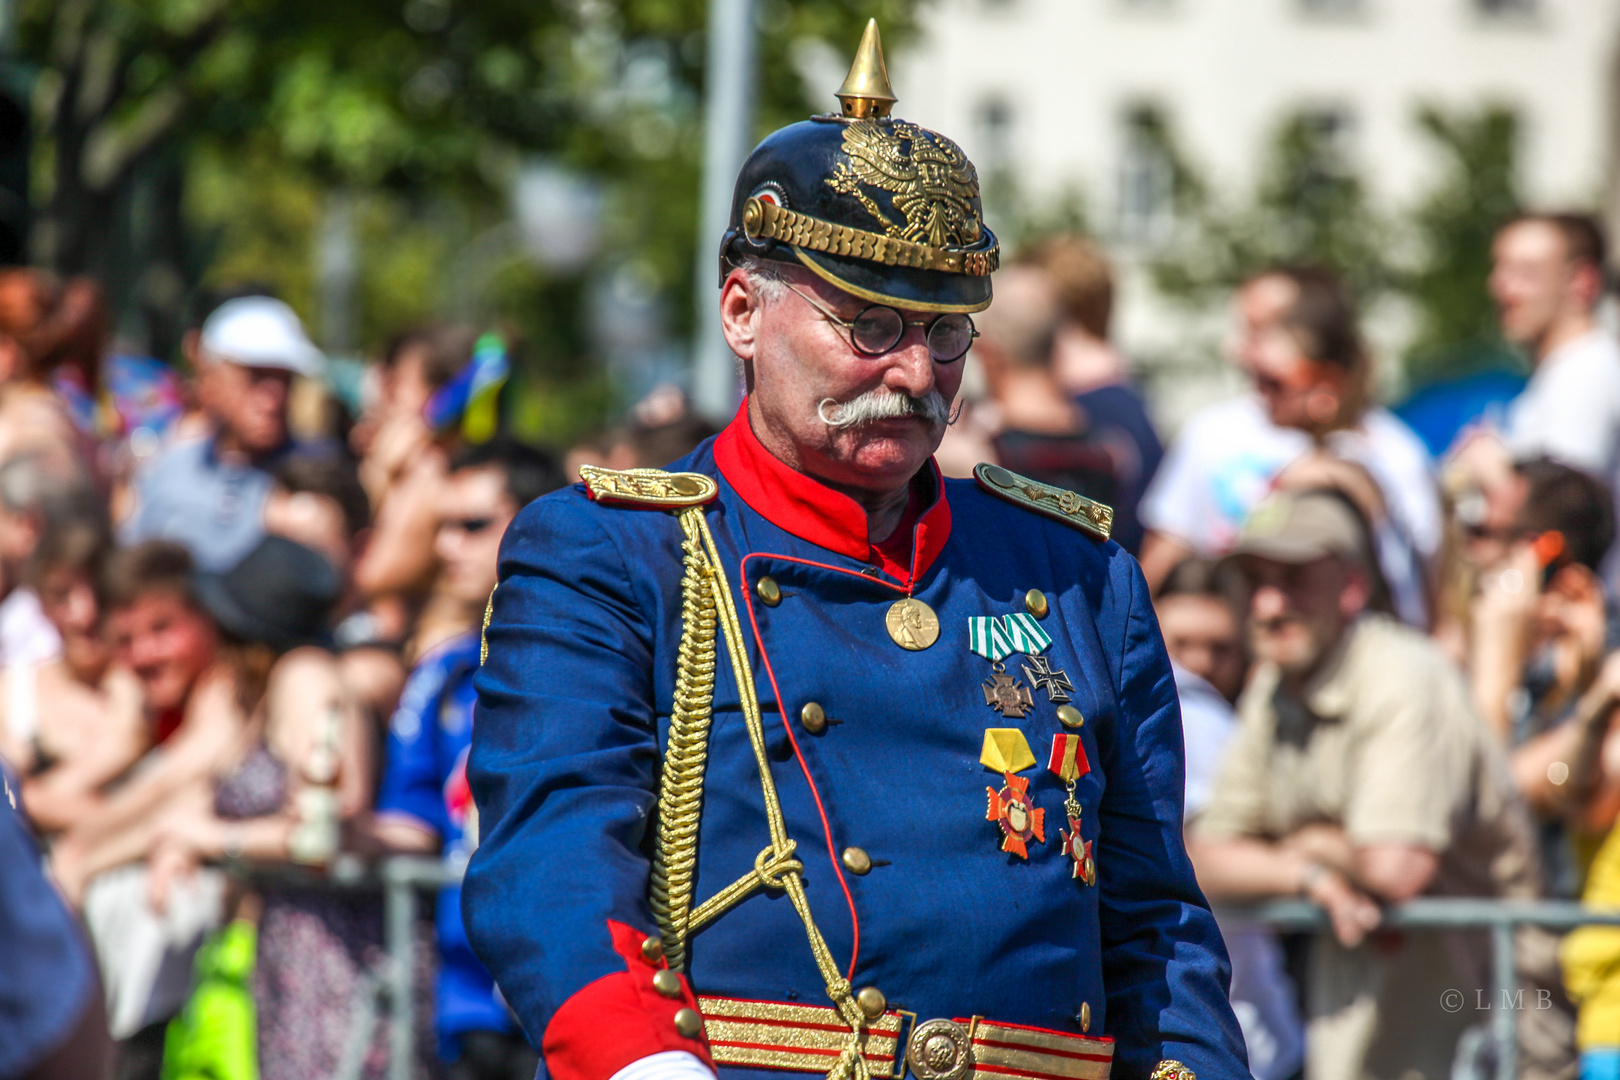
{"x":1332,"y":8}
{"x":1506,"y":9}
{"x":1145,"y":206}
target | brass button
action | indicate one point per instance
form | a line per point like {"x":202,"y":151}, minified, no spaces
{"x":1035,"y":603}
{"x":769,"y":591}
{"x":856,"y":861}
{"x":652,"y":950}
{"x":1085,"y":1016}
{"x":872,"y":1002}
{"x":999,"y":476}
{"x":686,"y":485}
{"x":688,"y":1024}
{"x":814,"y":718}
{"x":668,"y":983}
{"x":1070,"y":716}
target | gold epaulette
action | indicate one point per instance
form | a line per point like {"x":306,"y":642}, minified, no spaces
{"x":1066,"y":506}
{"x":651,"y":488}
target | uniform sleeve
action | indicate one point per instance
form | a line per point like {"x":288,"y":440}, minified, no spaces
{"x":562,"y":762}
{"x":1163,"y":961}
{"x":411,"y":785}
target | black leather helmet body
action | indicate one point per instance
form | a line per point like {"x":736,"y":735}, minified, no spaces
{"x":882,"y":208}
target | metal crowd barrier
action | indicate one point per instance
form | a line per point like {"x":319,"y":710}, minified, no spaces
{"x":403,"y":878}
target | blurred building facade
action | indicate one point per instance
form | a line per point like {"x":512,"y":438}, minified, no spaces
{"x":1063,"y":94}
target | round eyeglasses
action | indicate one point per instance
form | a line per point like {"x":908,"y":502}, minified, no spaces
{"x":879,"y":328}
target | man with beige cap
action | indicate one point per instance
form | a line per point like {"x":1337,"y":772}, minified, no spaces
{"x":1360,"y":776}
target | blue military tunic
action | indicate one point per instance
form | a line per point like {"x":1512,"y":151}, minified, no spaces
{"x":945,"y":920}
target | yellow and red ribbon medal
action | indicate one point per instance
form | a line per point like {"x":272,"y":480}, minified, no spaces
{"x":1019,"y":818}
{"x":1068,"y":762}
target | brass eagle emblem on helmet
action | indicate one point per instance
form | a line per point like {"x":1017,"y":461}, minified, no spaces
{"x":927,"y":176}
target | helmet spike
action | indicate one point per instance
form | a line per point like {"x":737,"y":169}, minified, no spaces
{"x":866,"y":90}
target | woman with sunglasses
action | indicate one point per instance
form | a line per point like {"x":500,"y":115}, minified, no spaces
{"x":1310,"y":422}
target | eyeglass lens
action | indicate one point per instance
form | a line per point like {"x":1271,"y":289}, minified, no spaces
{"x":878,"y":329}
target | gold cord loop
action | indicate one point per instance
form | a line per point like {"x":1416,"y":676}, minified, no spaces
{"x":705,"y":602}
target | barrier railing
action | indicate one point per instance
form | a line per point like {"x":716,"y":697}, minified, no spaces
{"x":403,"y":877}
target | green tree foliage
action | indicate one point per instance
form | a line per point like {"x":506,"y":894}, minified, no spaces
{"x":201,"y":141}
{"x":1456,"y":223}
{"x":1309,"y":206}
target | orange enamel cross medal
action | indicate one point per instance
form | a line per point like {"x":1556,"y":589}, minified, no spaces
{"x":1085,"y":867}
{"x":1012,"y":809}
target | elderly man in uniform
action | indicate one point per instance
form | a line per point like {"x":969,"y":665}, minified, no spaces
{"x":801,"y":758}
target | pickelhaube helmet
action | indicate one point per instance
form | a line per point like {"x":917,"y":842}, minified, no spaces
{"x":882,"y":208}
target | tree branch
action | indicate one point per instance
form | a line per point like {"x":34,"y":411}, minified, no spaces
{"x":111,"y":152}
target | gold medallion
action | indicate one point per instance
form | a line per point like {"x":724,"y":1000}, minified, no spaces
{"x":912,"y":624}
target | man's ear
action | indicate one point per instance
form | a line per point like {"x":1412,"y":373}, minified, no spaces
{"x":1357,"y":591}
{"x":1587,"y":283}
{"x":740,"y":307}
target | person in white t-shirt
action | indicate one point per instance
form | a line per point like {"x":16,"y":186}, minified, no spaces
{"x":1547,"y":279}
{"x":1308,"y":424}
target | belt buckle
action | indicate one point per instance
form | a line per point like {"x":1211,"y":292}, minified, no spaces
{"x":940,"y":1050}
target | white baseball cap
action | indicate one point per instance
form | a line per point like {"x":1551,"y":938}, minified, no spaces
{"x":260,"y":331}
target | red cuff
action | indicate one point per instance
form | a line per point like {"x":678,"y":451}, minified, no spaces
{"x":619,"y":1018}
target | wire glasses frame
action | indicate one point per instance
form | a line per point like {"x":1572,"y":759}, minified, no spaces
{"x":879,"y":328}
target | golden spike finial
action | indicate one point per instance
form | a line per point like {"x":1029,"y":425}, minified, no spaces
{"x":866,"y":90}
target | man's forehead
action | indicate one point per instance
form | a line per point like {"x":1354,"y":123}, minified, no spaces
{"x":1532,"y":240}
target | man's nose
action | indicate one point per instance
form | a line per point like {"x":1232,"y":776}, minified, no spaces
{"x":911,"y":368}
{"x":1268,"y":602}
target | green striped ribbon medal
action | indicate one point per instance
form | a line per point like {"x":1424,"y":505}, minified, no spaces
{"x":995,"y":638}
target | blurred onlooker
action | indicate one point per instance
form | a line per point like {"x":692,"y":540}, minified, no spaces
{"x":1197,"y":610}
{"x":51,"y":339}
{"x":659,"y":429}
{"x":1089,"y":367}
{"x":1540,"y":628}
{"x":209,"y":493}
{"x":1300,"y":345}
{"x":320,"y":503}
{"x":402,"y":468}
{"x":1361,"y":776}
{"x":1547,"y":279}
{"x":269,"y":765}
{"x":164,"y":637}
{"x":1540,"y":622}
{"x":52,"y":1022}
{"x":1037,"y":429}
{"x":38,"y":491}
{"x":1581,"y":761}
{"x":424,"y":803}
{"x":72,"y":725}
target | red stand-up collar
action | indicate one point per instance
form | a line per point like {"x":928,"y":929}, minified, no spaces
{"x":812,"y":511}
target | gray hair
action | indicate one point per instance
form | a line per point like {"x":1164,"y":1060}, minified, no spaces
{"x":767,"y":279}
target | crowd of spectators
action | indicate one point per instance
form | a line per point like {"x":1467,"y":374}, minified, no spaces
{"x":229,"y":639}
{"x":1398,"y":669}
{"x":235,"y":647}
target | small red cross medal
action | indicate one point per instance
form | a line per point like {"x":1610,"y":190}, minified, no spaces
{"x":1068,"y":763}
{"x":1018,"y":817}
{"x":1085,"y":867}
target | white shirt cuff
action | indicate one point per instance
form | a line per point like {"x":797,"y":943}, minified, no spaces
{"x":667,"y":1065}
